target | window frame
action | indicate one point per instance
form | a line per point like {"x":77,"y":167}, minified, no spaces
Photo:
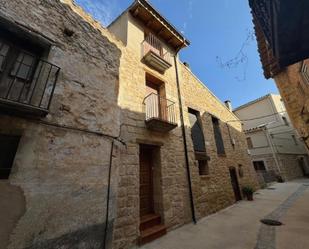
{"x":203,"y":168}
{"x":199,"y":121}
{"x":218,"y":136}
{"x":250,"y":145}
{"x":264,"y":164}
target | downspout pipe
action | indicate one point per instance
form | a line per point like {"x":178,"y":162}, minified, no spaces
{"x":108,"y":194}
{"x":184,"y":141}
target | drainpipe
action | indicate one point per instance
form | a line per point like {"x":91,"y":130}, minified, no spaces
{"x":108,"y":195}
{"x":272,"y":149}
{"x":184,"y":141}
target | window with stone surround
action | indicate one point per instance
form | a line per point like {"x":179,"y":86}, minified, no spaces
{"x":197,"y":134}
{"x":203,"y":167}
{"x":249,"y":142}
{"x":259,"y":165}
{"x":218,"y":136}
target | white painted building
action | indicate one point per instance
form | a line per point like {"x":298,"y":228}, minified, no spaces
{"x":274,"y":145}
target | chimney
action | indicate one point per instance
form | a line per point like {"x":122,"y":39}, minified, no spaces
{"x":228,"y":104}
{"x":187,"y":64}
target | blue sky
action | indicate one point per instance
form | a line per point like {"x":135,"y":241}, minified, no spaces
{"x":219,"y":31}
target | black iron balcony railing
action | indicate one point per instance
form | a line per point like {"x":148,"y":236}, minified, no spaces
{"x":28,"y":84}
{"x":160,"y":113}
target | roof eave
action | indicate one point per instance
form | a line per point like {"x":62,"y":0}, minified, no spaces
{"x":155,"y":14}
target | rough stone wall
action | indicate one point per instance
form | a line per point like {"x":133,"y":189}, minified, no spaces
{"x":295,"y":94}
{"x":62,"y":172}
{"x":290,"y":166}
{"x":211,"y":193}
{"x":214,"y":191}
{"x":270,"y":163}
{"x":171,"y":164}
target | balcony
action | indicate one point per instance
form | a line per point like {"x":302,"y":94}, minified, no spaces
{"x":154,"y":55}
{"x":285,"y":26}
{"x":160,"y":113}
{"x":27,"y":86}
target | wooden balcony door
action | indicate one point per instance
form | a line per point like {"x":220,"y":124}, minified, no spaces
{"x":153,"y":101}
{"x":146,"y":181}
{"x":157,"y":103}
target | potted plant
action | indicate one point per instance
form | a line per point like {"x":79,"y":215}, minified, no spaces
{"x":280,"y":179}
{"x":248,"y":192}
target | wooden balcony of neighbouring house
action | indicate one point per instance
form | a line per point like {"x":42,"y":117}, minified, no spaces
{"x":27,"y":85}
{"x":154,"y":54}
{"x":160,"y":113}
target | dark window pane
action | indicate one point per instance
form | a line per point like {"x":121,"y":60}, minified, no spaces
{"x":203,"y":167}
{"x":259,"y":166}
{"x":249,"y":143}
{"x":218,"y":136}
{"x":197,"y":134}
{"x":8,"y":148}
{"x":23,"y":66}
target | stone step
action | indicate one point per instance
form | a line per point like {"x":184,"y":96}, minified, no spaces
{"x":152,"y":233}
{"x":149,"y":220}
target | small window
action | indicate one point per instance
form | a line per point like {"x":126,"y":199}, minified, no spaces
{"x":259,"y":165}
{"x":218,"y":136}
{"x":285,"y":121}
{"x":295,"y":140}
{"x":203,"y":167}
{"x":8,"y":148}
{"x":249,"y":143}
{"x":240,"y":171}
{"x":197,"y":134}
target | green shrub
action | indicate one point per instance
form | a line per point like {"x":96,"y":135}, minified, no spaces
{"x":247,"y":190}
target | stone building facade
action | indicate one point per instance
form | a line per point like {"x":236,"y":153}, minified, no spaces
{"x":56,"y":192}
{"x":275,"y":146}
{"x":293,"y":84}
{"x":285,"y":61}
{"x":115,"y":119}
{"x":173,"y":201}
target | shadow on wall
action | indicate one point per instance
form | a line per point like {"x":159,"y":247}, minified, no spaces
{"x":57,"y":189}
{"x":12,"y":208}
{"x":60,"y":153}
{"x":87,"y":237}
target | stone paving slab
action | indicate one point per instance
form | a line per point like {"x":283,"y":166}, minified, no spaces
{"x":236,"y":227}
{"x":295,"y":231}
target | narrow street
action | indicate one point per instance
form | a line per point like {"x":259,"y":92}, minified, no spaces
{"x":239,"y":226}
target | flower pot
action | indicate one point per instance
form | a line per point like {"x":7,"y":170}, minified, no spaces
{"x":249,"y":197}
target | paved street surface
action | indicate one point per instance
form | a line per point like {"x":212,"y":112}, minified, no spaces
{"x":239,"y":227}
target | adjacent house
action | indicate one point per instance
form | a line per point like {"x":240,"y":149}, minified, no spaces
{"x":275,"y":146}
{"x":283,"y":44}
{"x":108,"y":140}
